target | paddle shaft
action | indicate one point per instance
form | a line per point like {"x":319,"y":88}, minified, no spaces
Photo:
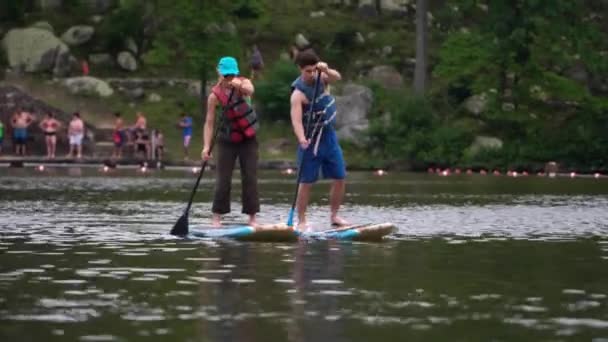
{"x":301,"y":163}
{"x":211,"y":145}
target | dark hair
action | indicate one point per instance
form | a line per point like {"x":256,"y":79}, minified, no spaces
{"x":50,"y":114}
{"x":76,"y":114}
{"x":306,"y":58}
{"x":117,"y":114}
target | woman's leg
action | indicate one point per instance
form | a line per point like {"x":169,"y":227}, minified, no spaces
{"x":226,"y":158}
{"x":248,"y":160}
{"x":53,"y":145}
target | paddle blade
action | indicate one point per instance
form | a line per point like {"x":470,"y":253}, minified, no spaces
{"x":181,"y":226}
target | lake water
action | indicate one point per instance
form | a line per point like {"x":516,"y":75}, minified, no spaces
{"x":86,"y":256}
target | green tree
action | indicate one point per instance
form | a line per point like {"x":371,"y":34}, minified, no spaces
{"x":519,"y":52}
{"x":191,"y":35}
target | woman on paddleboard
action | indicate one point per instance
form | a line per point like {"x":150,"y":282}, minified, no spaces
{"x":236,"y":138}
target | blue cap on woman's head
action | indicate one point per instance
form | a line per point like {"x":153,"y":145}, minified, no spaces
{"x":228,"y":66}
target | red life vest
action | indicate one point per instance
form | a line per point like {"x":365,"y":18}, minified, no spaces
{"x":241,"y":121}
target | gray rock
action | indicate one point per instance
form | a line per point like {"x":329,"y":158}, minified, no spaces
{"x":134,"y":93}
{"x":359,"y":38}
{"x":367,"y":9}
{"x":484,"y":143}
{"x":34,"y":50}
{"x":301,"y":41}
{"x":213,"y":28}
{"x":154,"y":97}
{"x":65,"y":64}
{"x":127,"y":61}
{"x":394,"y":6}
{"x":96,"y":19}
{"x":131,"y":46}
{"x":43,"y":25}
{"x":387,"y":50}
{"x":230,"y":28}
{"x":194,"y":89}
{"x":353,"y":107}
{"x":508,"y":107}
{"x":386,"y":75}
{"x":476,"y":104}
{"x":78,"y":35}
{"x":317,"y":14}
{"x":101,"y":59}
{"x":86,"y":85}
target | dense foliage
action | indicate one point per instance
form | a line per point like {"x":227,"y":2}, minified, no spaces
{"x":538,"y":67}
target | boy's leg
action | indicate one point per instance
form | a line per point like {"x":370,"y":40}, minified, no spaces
{"x":302,"y":204}
{"x":310,"y":173}
{"x":336,"y":196}
{"x":334,"y":168}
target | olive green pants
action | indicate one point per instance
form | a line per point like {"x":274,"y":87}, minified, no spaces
{"x":227,"y":153}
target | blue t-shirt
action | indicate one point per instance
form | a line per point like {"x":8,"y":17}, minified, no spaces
{"x":187,"y":131}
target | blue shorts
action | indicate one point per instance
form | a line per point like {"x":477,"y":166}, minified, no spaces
{"x":20,"y":135}
{"x":329,"y":159}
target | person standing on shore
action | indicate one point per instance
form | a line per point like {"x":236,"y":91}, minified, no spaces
{"x":49,"y":126}
{"x":76,"y":135}
{"x":21,"y":120}
{"x":185,"y":123}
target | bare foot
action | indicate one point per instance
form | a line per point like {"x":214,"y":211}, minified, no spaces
{"x":303,"y":226}
{"x":337,"y":221}
{"x":252,"y":222}
{"x":216,"y":221}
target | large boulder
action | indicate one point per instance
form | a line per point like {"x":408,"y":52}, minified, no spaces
{"x":484,"y":143}
{"x":367,"y":8}
{"x":476,"y":104}
{"x":37,"y":50}
{"x":386,"y":75}
{"x":126,"y":61}
{"x":301,"y":41}
{"x":353,"y":106}
{"x":394,"y":6}
{"x":43,"y":25}
{"x":78,"y":35}
{"x":88,"y":86}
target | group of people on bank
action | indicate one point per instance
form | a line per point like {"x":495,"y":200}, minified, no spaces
{"x":146,"y":144}
{"x":21,"y":122}
{"x":232,"y":120}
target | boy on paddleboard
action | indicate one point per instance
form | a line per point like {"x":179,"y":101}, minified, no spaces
{"x":318,"y":144}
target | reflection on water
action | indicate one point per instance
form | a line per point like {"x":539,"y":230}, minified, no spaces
{"x":89,"y":258}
